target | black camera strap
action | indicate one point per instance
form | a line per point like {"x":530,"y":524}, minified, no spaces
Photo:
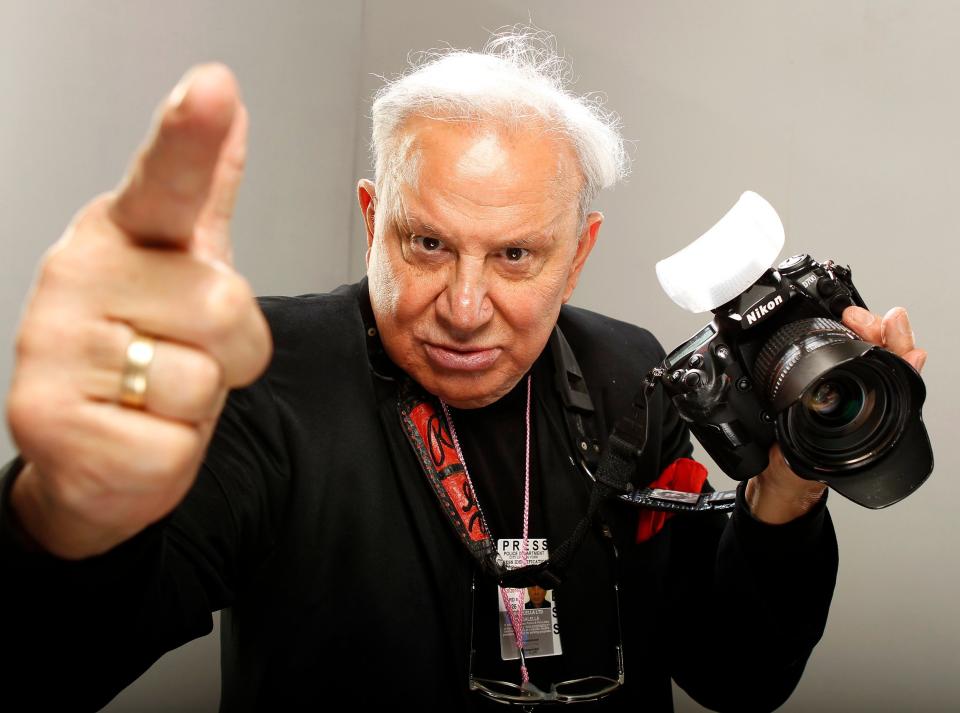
{"x":626,"y":456}
{"x":614,"y":469}
{"x":679,"y":501}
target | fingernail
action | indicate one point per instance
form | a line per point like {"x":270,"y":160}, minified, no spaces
{"x":859,"y":316}
{"x":903,"y":324}
{"x":179,"y":92}
{"x":921,"y":361}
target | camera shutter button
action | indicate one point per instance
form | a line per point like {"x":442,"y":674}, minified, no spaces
{"x":693,"y":379}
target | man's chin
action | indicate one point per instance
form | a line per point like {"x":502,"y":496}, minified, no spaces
{"x":470,"y":403}
{"x":467,"y":393}
{"x":467,"y":401}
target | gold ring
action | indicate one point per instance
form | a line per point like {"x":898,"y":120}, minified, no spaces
{"x":133,"y":383}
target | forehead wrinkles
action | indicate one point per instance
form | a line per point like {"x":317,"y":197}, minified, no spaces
{"x":410,"y":221}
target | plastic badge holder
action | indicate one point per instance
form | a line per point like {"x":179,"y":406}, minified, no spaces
{"x":727,"y":259}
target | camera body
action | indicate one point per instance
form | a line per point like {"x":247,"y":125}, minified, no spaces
{"x":727,"y":381}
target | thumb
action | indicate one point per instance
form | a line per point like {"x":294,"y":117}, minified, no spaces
{"x":168,"y":185}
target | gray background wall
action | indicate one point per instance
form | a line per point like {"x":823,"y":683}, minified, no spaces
{"x":844,"y":114}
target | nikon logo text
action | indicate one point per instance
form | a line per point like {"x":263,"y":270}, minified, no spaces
{"x":758,"y":312}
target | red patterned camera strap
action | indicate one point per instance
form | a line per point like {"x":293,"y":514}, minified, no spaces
{"x":429,"y":435}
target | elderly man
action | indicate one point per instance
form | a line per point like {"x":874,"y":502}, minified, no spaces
{"x":342,"y":509}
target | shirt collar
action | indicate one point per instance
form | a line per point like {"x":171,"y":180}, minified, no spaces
{"x":380,"y":364}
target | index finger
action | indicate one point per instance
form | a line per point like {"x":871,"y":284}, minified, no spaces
{"x":170,"y":179}
{"x":896,"y":331}
{"x":865,"y":323}
{"x":892,"y":332}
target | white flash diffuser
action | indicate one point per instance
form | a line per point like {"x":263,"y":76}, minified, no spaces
{"x":727,"y":259}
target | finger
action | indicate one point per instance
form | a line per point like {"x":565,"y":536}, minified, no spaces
{"x":120,"y":452}
{"x":183,"y":384}
{"x":75,"y":425}
{"x":896,"y":332}
{"x":167,"y":294}
{"x":174,"y":296}
{"x":212,"y":233}
{"x":170,"y":179}
{"x":864,"y":323}
{"x":916,"y":358}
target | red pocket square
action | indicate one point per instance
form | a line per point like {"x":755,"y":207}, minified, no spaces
{"x":683,"y":474}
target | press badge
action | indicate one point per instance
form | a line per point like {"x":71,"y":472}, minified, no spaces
{"x":541,"y":629}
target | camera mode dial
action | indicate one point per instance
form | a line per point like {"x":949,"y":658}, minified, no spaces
{"x":794,"y":264}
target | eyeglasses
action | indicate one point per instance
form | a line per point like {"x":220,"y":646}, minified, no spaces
{"x":576,"y":690}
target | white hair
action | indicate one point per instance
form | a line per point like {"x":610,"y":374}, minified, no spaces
{"x":516,"y":77}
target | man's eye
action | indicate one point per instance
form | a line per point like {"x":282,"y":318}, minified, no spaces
{"x":515,"y":254}
{"x":427,"y":243}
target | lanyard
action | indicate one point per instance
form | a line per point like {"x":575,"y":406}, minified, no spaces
{"x":515,"y":613}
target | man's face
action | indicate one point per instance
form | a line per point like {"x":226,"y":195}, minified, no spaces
{"x":537,"y":595}
{"x":468,"y":274}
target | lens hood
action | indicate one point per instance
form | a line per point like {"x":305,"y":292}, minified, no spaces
{"x":900,"y":461}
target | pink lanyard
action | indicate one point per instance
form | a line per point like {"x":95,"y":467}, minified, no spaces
{"x":515,"y":613}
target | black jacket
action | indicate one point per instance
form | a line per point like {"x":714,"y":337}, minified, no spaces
{"x":312,"y":527}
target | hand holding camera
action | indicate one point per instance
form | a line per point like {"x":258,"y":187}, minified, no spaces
{"x":778,"y":495}
{"x":793,"y":358}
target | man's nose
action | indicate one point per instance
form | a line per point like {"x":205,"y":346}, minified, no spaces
{"x":465,"y":305}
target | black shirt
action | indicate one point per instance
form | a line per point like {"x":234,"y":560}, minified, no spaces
{"x":311,"y":526}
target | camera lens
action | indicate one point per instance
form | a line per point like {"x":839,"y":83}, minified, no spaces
{"x":834,"y":402}
{"x":839,"y":408}
{"x":847,"y":418}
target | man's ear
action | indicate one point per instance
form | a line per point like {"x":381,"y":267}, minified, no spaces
{"x":585,"y":243}
{"x":367,"y":195}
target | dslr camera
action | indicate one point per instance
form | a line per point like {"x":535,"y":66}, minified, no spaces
{"x":777,"y":364}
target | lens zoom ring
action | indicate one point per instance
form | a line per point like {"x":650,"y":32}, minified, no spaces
{"x":788,"y":344}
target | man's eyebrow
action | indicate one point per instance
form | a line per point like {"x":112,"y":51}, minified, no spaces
{"x":418,"y":227}
{"x":534,"y":239}
{"x":415,"y":226}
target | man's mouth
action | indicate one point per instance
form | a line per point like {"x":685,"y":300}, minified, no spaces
{"x":459,"y":359}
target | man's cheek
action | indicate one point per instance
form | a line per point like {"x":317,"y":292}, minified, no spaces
{"x":384,"y":287}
